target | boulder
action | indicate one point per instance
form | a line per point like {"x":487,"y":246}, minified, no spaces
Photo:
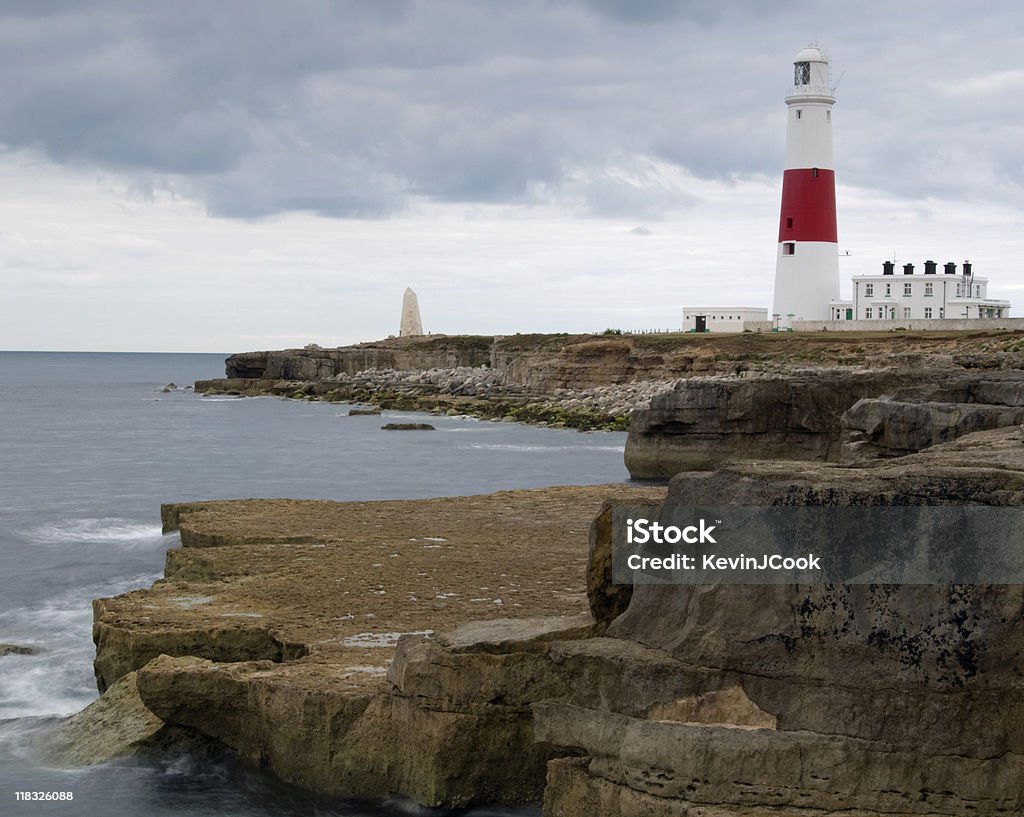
{"x":407,"y":427}
{"x":823,"y":415}
{"x":875,"y":428}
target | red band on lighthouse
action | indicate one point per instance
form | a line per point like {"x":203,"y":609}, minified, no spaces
{"x":808,"y":206}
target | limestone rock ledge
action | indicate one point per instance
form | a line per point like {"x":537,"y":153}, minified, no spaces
{"x":275,"y":629}
{"x":729,"y":767}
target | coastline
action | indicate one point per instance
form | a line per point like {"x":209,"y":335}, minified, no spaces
{"x":470,"y":650}
{"x":586,"y":382}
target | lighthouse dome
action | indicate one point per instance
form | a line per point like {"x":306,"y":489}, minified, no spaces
{"x":811,"y":54}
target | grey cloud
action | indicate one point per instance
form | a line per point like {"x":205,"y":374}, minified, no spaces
{"x":653,"y":11}
{"x":700,"y":11}
{"x":633,"y":195}
{"x":349,"y":108}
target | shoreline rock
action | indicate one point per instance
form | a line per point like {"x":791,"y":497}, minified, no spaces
{"x":278,"y":620}
{"x":587,"y":382}
{"x":19,"y":649}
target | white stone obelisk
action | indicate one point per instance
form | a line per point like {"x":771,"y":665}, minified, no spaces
{"x":807,"y":266}
{"x":411,"y":324}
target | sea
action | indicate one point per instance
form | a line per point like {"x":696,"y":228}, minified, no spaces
{"x":91,"y":444}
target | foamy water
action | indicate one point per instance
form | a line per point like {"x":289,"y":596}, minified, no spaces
{"x":112,"y":530}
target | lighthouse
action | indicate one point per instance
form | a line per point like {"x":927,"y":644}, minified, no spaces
{"x":807,"y":266}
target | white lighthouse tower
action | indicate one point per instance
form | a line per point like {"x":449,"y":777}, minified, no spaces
{"x":807,"y":268}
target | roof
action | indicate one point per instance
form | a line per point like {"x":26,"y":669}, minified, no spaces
{"x":811,"y":54}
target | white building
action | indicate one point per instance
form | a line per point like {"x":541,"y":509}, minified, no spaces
{"x":721,"y":318}
{"x":933,"y":294}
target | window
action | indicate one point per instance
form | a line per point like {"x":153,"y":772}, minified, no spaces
{"x":799,"y":113}
{"x":928,"y":289}
{"x":789,"y":248}
{"x":959,"y":290}
{"x":789,"y":224}
{"x":888,"y":290}
{"x":869,"y":290}
{"x":814,"y":172}
{"x":867,"y":313}
{"x":977,"y":290}
{"x":828,"y":116}
{"x":927,"y":311}
{"x":802,"y":73}
{"x":907,"y":290}
{"x":906,"y":312}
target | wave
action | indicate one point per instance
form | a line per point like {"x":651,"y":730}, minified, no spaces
{"x":106,"y":529}
{"x":58,"y":679}
{"x":59,"y":682}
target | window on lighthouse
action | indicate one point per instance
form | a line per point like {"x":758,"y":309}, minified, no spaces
{"x":802,"y":74}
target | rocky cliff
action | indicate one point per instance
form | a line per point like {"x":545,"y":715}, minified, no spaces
{"x":543,"y":363}
{"x":596,"y":381}
{"x":817,"y":414}
{"x":825,"y":699}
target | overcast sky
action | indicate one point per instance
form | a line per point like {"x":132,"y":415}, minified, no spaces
{"x":196,"y":176}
